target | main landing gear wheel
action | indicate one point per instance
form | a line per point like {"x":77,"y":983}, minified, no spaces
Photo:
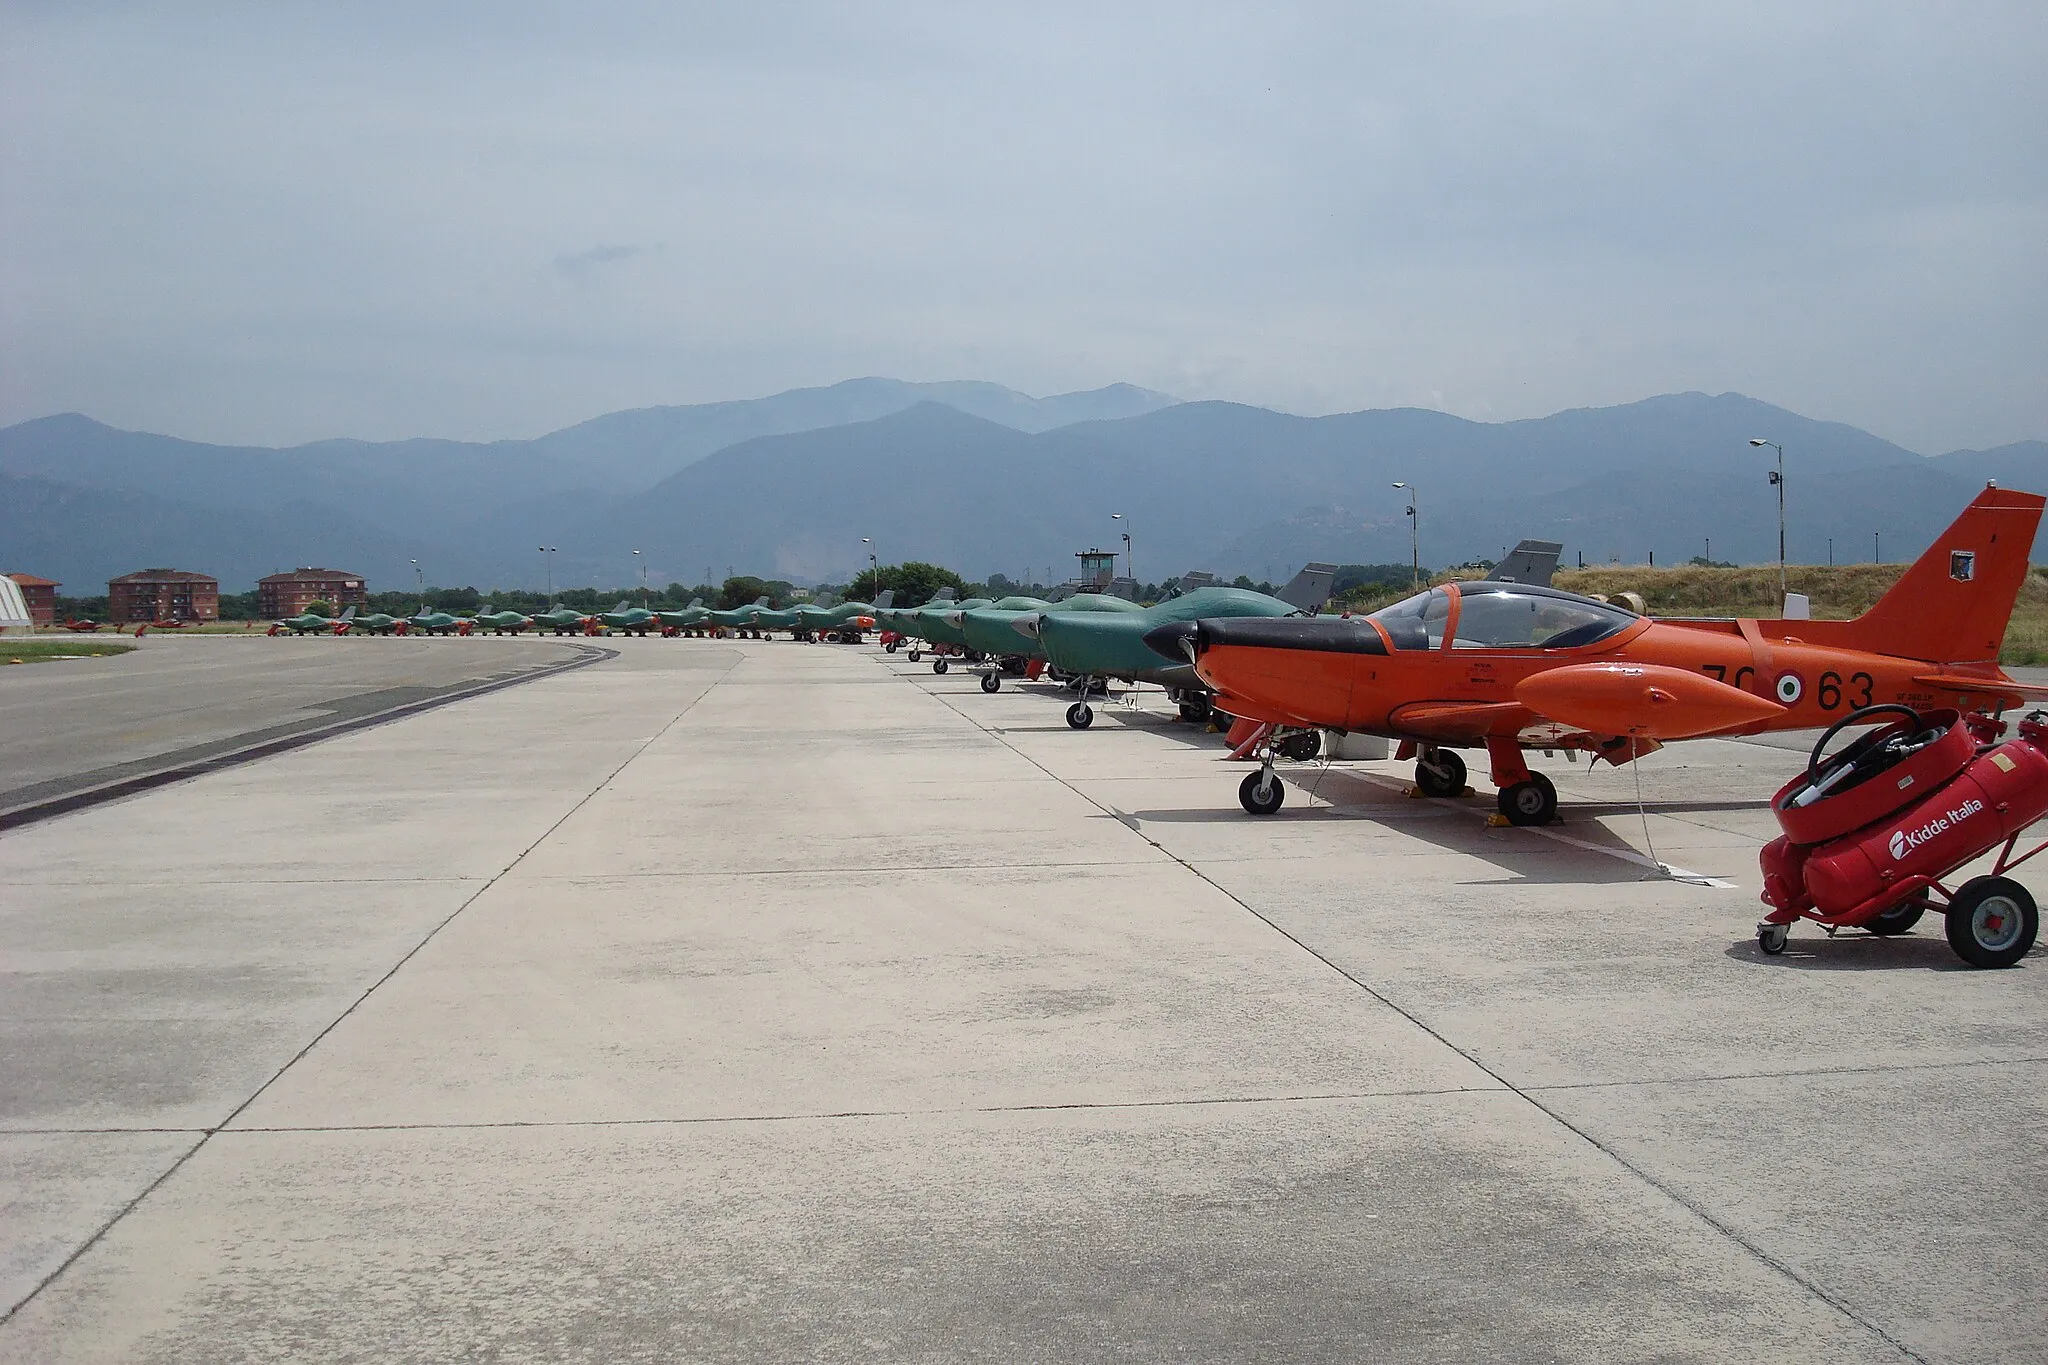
{"x":991,"y":682}
{"x":1771,"y":938}
{"x":1533,"y":802}
{"x":1896,"y":920}
{"x":1080,"y":715}
{"x":916,"y":655}
{"x":938,"y":665}
{"x":1992,"y":922}
{"x":1303,"y":747}
{"x":1261,"y":793}
{"x":1440,"y":772}
{"x":889,"y":648}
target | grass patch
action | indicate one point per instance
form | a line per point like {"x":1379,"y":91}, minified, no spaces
{"x":28,"y":651}
{"x":1837,"y":594}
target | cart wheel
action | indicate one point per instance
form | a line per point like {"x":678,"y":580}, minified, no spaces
{"x":1992,"y":922}
{"x":1302,"y":748}
{"x":991,"y":682}
{"x":889,"y":648}
{"x":938,"y":665}
{"x":1080,"y":715}
{"x":1772,"y":938}
{"x":1259,"y":794}
{"x":1529,"y":803}
{"x":1896,"y":920}
{"x":1440,"y":773}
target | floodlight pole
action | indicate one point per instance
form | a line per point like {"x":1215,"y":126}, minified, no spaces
{"x":874,"y":569}
{"x":421,"y":575}
{"x":641,"y":560}
{"x":1128,"y":570}
{"x":1414,"y":533}
{"x":1778,"y":481}
{"x":549,"y":552}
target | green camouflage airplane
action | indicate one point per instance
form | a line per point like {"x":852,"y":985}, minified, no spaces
{"x":502,"y":622}
{"x":563,"y":621}
{"x":376,"y":623}
{"x":1095,"y":646}
{"x":900,"y":620}
{"x":629,"y":618}
{"x":931,"y":625}
{"x":690,"y":618}
{"x":839,"y":619}
{"x":311,"y":623}
{"x":991,"y":630}
{"x":739,"y":618}
{"x":426,"y":622}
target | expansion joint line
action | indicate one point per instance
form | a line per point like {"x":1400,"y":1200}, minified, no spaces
{"x":1527,"y":1096}
{"x":206,"y":1135}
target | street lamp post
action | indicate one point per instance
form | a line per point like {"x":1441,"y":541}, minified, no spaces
{"x":1128,"y":570}
{"x":1414,"y":533}
{"x":549,"y":552}
{"x":874,"y":569}
{"x":1778,"y":482}
{"x":421,"y":575}
{"x":641,"y":560}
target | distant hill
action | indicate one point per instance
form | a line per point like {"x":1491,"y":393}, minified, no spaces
{"x":1234,"y":489}
{"x":983,"y":479}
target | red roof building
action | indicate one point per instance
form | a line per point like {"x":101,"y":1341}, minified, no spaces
{"x":41,"y":596}
{"x":162,"y":595}
{"x":289,"y":594}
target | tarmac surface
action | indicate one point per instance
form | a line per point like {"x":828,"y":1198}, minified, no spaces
{"x":79,"y":725}
{"x":745,"y":1001}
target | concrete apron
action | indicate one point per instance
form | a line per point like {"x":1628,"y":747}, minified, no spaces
{"x":740,"y":1001}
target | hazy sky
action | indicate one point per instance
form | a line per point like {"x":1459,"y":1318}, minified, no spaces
{"x":283,"y":221}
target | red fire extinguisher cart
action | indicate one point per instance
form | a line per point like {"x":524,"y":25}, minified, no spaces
{"x":1870,"y":833}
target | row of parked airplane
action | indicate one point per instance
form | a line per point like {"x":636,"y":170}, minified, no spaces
{"x":1508,"y":664}
{"x":846,"y":622}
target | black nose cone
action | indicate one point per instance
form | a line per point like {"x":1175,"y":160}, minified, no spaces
{"x":1177,"y":641}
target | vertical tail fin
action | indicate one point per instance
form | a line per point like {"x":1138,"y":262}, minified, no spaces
{"x":1953,"y":603}
{"x":886,"y":599}
{"x":1310,"y":588}
{"x":1532,"y":561}
{"x":349,"y":614}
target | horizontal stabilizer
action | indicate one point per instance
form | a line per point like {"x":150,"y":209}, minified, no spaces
{"x":1983,"y":687}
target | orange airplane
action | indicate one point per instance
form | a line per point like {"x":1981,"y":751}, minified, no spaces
{"x":1509,"y":667}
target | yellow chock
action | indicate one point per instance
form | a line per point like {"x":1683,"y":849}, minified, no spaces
{"x":1497,"y":821}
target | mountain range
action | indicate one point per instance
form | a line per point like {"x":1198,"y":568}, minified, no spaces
{"x":981,"y":478}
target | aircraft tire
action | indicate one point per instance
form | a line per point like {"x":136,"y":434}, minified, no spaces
{"x":1260,"y":796}
{"x":938,"y":666}
{"x":1446,"y":778}
{"x":991,"y":682}
{"x":1304,"y":747}
{"x":1533,"y":802}
{"x":1896,"y":920}
{"x":1080,"y":715}
{"x":1992,"y":922}
{"x":889,"y":648}
{"x":916,"y":654}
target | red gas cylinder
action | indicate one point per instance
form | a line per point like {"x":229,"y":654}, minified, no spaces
{"x":2000,"y":792}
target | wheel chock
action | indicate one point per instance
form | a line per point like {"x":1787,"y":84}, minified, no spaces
{"x":1498,"y":821}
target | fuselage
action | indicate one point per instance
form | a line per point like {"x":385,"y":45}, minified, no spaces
{"x":1104,"y":644}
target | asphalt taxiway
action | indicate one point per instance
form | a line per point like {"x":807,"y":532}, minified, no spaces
{"x":741,"y":1001}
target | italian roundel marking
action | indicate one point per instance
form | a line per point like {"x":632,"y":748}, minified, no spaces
{"x":1790,"y":689}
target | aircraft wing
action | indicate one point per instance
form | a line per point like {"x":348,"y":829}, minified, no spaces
{"x":1461,"y":721}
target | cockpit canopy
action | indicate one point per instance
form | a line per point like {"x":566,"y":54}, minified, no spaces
{"x":1500,"y":615}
